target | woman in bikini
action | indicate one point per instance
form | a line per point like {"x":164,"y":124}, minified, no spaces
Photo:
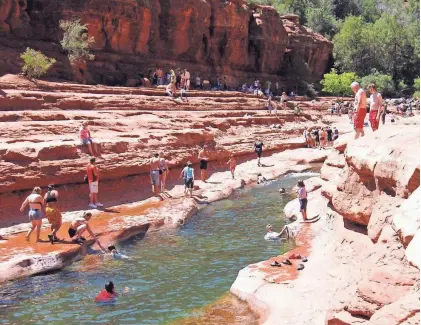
{"x":36,"y":203}
{"x":163,"y":171}
{"x":52,"y":212}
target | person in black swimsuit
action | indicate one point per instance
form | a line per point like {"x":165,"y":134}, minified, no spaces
{"x":52,"y":212}
{"x":317,"y":137}
{"x":258,"y":148}
{"x":329,"y":136}
{"x":203,"y":158}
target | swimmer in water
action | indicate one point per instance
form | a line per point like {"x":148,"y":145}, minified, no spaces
{"x":108,"y":294}
{"x":282,"y":191}
{"x":115,"y":253}
{"x":260,"y":179}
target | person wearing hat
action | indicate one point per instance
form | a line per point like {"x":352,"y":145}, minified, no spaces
{"x":271,"y":235}
{"x":52,"y":212}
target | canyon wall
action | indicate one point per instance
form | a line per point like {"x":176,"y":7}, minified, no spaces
{"x":211,"y":37}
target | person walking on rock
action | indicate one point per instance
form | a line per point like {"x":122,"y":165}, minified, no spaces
{"x":203,"y":158}
{"x":258,"y":148}
{"x":36,"y":203}
{"x":232,"y":162}
{"x":155,"y":175}
{"x":375,"y":107}
{"x":188,"y":175}
{"x":302,"y":197}
{"x":163,"y":171}
{"x":52,"y":212}
{"x":359,"y":108}
{"x":93,"y":181}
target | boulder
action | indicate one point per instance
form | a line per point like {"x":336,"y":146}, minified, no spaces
{"x":406,"y":220}
{"x":412,"y":252}
{"x":58,"y":152}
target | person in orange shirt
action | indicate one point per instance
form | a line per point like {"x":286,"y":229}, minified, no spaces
{"x":93,"y":179}
{"x":359,"y":108}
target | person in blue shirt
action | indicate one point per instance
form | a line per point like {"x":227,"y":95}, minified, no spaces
{"x":188,"y":175}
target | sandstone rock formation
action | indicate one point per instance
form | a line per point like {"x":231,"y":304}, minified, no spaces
{"x":40,"y":141}
{"x":364,"y":252}
{"x":210,"y":37}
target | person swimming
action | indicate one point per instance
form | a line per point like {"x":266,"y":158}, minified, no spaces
{"x":282,"y":191}
{"x":260,"y":179}
{"x":115,"y":253}
{"x":108,"y":294}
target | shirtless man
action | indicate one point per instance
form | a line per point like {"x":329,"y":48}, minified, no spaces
{"x":154,"y":174}
{"x":359,"y":108}
{"x":203,"y":158}
{"x":78,"y":226}
{"x":186,"y":79}
{"x":375,"y":107}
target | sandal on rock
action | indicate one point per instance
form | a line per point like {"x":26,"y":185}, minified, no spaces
{"x":51,"y":238}
{"x":287,"y":262}
{"x":276,"y":264}
{"x":300,"y":267}
{"x":304,"y":259}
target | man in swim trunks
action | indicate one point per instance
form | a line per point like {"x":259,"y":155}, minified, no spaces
{"x":93,"y":180}
{"x":154,"y":174}
{"x":258,"y":148}
{"x":375,"y":107}
{"x":359,"y":108}
{"x":203,"y":158}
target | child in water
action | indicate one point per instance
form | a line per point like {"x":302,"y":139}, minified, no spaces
{"x":232,"y":162}
{"x":115,"y":254}
{"x":260,"y":179}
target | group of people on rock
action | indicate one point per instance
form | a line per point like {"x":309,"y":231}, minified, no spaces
{"x":320,"y":137}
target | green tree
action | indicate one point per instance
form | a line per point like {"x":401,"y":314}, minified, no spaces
{"x":321,"y":19}
{"x":338,"y":84}
{"x":76,"y":40}
{"x":384,"y":82}
{"x":417,"y":88}
{"x":36,"y":64}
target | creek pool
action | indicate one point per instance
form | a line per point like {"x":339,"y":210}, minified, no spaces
{"x":171,"y":274}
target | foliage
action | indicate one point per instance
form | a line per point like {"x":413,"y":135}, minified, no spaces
{"x":76,"y":40}
{"x":384,"y":83}
{"x":321,"y":19}
{"x":338,"y":84}
{"x":417,"y":88}
{"x":36,"y":64}
{"x":307,"y":89}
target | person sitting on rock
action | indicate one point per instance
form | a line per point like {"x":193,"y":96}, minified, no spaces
{"x":78,"y":226}
{"x":85,"y":137}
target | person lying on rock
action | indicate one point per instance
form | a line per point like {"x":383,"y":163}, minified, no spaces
{"x":302,"y":196}
{"x":78,"y":226}
{"x":36,"y":203}
{"x":85,"y":137}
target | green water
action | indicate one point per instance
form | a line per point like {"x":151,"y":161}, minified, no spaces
{"x":171,"y":274}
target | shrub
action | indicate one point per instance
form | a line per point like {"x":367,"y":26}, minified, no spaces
{"x":76,"y":40}
{"x":384,"y":82}
{"x":36,"y":63}
{"x":417,"y":88}
{"x":338,"y":84}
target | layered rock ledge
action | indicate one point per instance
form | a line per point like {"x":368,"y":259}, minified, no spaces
{"x":364,"y":255}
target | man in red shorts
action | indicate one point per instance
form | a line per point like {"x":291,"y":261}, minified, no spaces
{"x":359,"y":108}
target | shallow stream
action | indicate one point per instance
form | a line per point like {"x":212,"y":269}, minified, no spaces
{"x":172,"y":274}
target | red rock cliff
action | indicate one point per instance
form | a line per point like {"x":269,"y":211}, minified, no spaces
{"x":210,"y":37}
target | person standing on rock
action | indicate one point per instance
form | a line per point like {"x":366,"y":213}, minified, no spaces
{"x":375,"y":107}
{"x":329,"y":136}
{"x":93,"y":181}
{"x":155,"y":174}
{"x":186,"y":79}
{"x":284,"y":99}
{"x":203,"y":158}
{"x":188,"y":175}
{"x":36,"y":203}
{"x":306,"y":135}
{"x":163,"y":171}
{"x":258,"y":148}
{"x":359,"y":108}
{"x":302,"y":197}
{"x":232,"y":162}
{"x":85,"y":137}
{"x":52,"y":212}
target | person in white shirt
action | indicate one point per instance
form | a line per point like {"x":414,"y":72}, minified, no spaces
{"x":302,"y":196}
{"x":271,"y":235}
{"x":307,"y":137}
